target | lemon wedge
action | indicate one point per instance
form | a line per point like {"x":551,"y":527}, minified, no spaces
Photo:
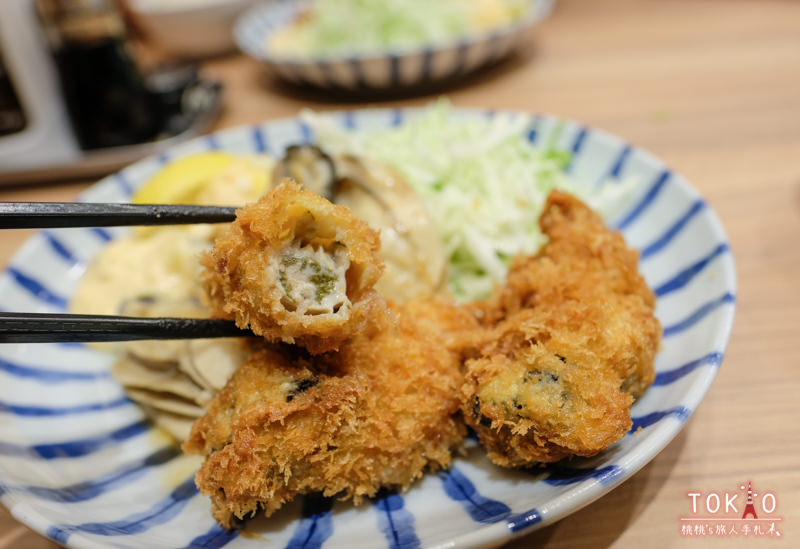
{"x":178,"y":181}
{"x":208,"y":179}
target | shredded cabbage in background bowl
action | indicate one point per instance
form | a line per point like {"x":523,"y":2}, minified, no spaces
{"x":336,"y":27}
{"x":483,"y":182}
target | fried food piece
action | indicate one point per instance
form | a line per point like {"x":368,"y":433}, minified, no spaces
{"x":295,"y":268}
{"x":376,"y":414}
{"x":567,"y":344}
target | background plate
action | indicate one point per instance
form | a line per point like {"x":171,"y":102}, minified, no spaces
{"x":391,"y":69}
{"x":80,"y":464}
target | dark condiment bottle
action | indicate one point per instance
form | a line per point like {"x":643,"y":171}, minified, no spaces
{"x":107,"y":98}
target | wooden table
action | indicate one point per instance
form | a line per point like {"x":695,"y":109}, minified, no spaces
{"x":713,"y":88}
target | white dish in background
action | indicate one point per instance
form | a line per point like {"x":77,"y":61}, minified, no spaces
{"x":189,"y":28}
{"x":390,"y":69}
{"x":79,"y":463}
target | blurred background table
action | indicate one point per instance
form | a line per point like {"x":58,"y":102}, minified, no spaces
{"x":712,"y":88}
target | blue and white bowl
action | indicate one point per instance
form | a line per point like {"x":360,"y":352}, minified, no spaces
{"x":392,"y":69}
{"x":80,"y":463}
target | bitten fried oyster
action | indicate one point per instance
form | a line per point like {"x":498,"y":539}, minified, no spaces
{"x":565,"y":345}
{"x":295,"y":268}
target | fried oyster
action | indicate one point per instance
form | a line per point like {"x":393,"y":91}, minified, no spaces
{"x":547,"y":368}
{"x":295,"y":268}
{"x":565,"y":345}
{"x":377,"y":413}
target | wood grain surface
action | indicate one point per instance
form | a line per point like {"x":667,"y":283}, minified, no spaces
{"x":713,"y":89}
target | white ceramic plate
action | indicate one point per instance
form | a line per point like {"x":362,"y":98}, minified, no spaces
{"x":392,"y":69}
{"x":79,"y":463}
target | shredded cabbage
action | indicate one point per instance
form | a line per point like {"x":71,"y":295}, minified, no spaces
{"x":483,"y":182}
{"x":334,"y":27}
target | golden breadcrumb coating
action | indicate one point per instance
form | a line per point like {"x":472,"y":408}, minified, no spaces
{"x":547,"y":368}
{"x":566,"y":344}
{"x":378,"y":413}
{"x":294,"y":268}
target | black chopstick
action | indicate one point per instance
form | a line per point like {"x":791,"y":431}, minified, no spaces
{"x":65,"y":328}
{"x":49,"y":215}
